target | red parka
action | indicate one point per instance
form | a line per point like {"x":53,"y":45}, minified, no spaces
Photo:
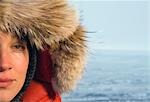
{"x":40,"y":89}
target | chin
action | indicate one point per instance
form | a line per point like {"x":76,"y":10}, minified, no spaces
{"x":8,"y":94}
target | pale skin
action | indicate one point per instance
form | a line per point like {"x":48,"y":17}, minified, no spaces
{"x":14,"y":60}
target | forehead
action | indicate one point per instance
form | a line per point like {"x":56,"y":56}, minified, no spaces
{"x":6,"y":35}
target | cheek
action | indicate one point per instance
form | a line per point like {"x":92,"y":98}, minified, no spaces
{"x":20,"y":63}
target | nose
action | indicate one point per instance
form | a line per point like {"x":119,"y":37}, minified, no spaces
{"x":4,"y":61}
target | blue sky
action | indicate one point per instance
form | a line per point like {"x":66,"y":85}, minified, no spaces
{"x":119,"y":25}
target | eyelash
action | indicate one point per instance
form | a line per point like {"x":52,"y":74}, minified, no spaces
{"x":19,"y":47}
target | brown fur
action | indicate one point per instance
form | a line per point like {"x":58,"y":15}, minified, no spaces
{"x":51,"y":22}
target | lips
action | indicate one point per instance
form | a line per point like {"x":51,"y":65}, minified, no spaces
{"x":5,"y":82}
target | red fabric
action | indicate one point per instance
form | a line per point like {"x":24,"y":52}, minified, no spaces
{"x":37,"y":92}
{"x":41,"y":90}
{"x":43,"y":72}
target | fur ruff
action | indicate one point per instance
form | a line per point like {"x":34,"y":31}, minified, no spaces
{"x":54,"y":23}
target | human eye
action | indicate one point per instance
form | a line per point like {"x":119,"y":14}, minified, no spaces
{"x":19,"y":46}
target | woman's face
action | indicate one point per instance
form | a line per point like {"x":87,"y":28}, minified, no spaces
{"x":14,"y":60}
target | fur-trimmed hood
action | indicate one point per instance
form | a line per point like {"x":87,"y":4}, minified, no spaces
{"x":54,"y":23}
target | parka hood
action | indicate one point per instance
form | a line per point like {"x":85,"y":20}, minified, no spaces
{"x":53,"y":23}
